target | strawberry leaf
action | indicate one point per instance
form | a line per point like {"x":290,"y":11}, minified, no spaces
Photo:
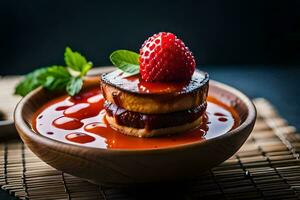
{"x":125,"y":60}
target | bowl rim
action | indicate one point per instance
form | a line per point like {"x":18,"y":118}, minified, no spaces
{"x":24,"y":128}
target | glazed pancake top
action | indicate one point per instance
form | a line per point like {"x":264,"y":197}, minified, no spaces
{"x":134,"y":84}
{"x":81,"y":120}
{"x":133,"y":94}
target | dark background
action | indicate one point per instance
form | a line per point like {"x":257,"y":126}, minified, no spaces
{"x":35,"y":33}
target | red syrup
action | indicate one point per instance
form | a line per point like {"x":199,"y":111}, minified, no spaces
{"x":219,"y":114}
{"x":222,"y":119}
{"x":80,"y":138}
{"x":146,"y":87}
{"x":92,"y":129}
{"x":62,"y":108}
{"x":67,"y":123}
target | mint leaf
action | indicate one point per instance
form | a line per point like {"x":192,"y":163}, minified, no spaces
{"x":30,"y":82}
{"x":127,"y":61}
{"x":74,"y":85}
{"x":85,"y":68}
{"x":52,"y":78}
{"x":74,"y":59}
{"x":56,"y":78}
{"x":58,"y":71}
{"x":77,"y":62}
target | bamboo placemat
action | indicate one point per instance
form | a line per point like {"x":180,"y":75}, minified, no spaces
{"x":266,"y":167}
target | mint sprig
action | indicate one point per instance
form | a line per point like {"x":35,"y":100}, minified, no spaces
{"x":76,"y":62}
{"x":74,"y":85}
{"x":127,"y":61}
{"x":30,"y":82}
{"x":69,"y":77}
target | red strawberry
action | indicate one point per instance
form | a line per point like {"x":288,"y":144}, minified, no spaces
{"x":165,"y":58}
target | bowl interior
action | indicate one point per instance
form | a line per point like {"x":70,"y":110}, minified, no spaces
{"x":223,"y":93}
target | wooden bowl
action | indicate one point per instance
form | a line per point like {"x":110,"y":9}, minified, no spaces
{"x":123,"y":167}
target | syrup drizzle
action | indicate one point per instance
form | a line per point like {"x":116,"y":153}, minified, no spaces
{"x":80,"y":138}
{"x":67,"y":123}
{"x":84,"y":123}
{"x":222,"y":119}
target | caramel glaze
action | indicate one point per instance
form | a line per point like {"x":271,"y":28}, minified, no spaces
{"x":135,"y":85}
{"x":133,"y":94}
{"x":96,"y":132}
{"x":153,"y":121}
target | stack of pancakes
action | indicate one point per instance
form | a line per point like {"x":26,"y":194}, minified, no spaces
{"x":152,"y":110}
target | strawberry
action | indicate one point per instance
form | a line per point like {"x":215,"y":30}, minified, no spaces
{"x":165,"y":58}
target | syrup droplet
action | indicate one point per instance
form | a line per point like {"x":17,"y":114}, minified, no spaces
{"x":83,"y":110}
{"x":59,"y":108}
{"x":95,"y":99}
{"x":222,"y":119}
{"x":80,"y":138}
{"x":67,"y":123}
{"x":219,"y":114}
{"x":96,"y":127}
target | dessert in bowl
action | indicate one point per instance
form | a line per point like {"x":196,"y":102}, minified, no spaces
{"x":140,"y":128}
{"x":136,"y":108}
